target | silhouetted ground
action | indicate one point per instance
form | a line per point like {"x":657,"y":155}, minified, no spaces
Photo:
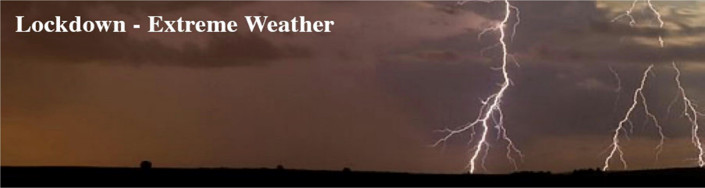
{"x":90,"y":176}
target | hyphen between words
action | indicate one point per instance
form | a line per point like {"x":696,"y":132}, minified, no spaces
{"x":157,"y":24}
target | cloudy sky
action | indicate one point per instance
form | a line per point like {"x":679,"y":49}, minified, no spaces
{"x":368,"y":95}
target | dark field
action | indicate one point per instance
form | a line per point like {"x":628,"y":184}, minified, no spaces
{"x":97,"y":176}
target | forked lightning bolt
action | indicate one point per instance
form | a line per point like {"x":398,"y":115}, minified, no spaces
{"x":628,"y":14}
{"x":689,"y":110}
{"x":615,"y":147}
{"x":692,"y":114}
{"x":490,"y":112}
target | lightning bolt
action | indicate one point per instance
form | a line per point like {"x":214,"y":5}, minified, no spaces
{"x":689,"y":109}
{"x":490,"y":112}
{"x":628,"y":14}
{"x":692,"y":114}
{"x":659,"y":147}
{"x":660,"y":21}
{"x":632,"y":21}
{"x":616,"y":148}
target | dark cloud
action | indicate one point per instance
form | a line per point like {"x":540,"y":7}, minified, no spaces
{"x":581,"y":32}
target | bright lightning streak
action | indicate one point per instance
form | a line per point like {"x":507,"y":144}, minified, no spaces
{"x":660,"y":21}
{"x":692,"y":114}
{"x":632,"y":21}
{"x":659,"y":147}
{"x":638,"y":93}
{"x":616,"y":148}
{"x":490,"y":111}
{"x":628,"y":14}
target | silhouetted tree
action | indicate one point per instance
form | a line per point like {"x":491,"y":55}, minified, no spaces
{"x":145,"y":165}
{"x":280,"y":167}
{"x":588,"y":171}
{"x":346,"y":170}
